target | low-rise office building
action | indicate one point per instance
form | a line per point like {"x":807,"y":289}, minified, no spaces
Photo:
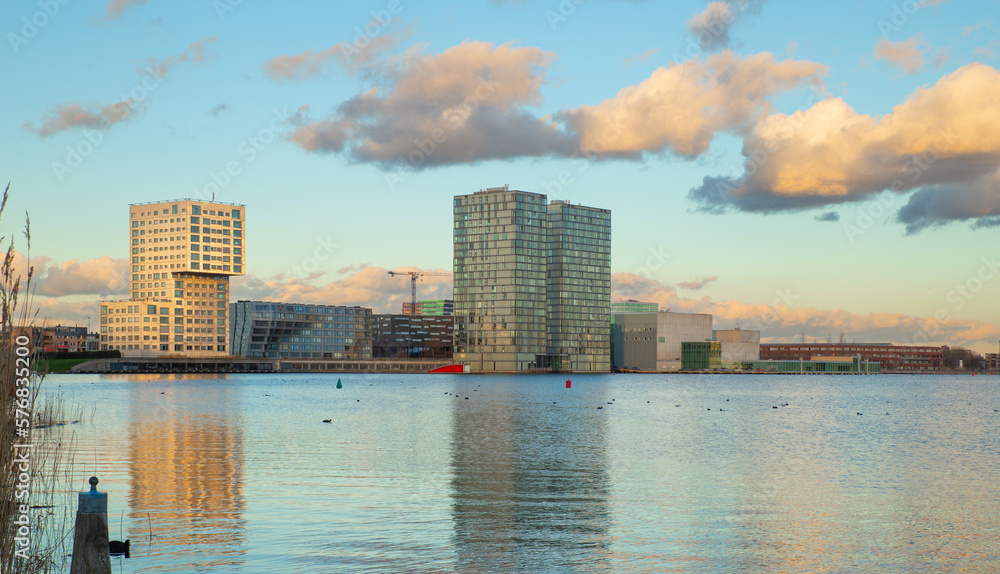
{"x":299,"y":330}
{"x":889,"y":356}
{"x":708,"y":356}
{"x":412,"y":336}
{"x":652,"y":341}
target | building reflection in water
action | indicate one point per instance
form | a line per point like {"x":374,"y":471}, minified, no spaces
{"x":530,"y":486}
{"x":187,"y":473}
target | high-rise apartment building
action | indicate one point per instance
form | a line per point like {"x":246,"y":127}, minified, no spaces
{"x":182,"y":254}
{"x":578,"y":287}
{"x":503,"y":246}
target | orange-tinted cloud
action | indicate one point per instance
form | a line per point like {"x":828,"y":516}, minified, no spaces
{"x":72,"y":115}
{"x":103,"y":277}
{"x":75,"y":115}
{"x":942,"y":135}
{"x":680,"y":108}
{"x":906,"y":55}
{"x":462,"y":105}
{"x":470,"y":103}
{"x":298,"y":66}
{"x":116,"y":8}
{"x":909,"y":55}
{"x":351,"y":56}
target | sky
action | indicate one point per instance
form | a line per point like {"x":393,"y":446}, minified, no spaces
{"x":814,"y":170}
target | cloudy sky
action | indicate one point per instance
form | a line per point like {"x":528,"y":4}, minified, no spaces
{"x":804,"y":168}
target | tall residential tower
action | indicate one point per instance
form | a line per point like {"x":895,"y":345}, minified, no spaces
{"x":532,"y":283}
{"x":182,"y":255}
{"x":578,"y":287}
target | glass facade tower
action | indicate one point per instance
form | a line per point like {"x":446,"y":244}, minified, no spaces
{"x":530,"y":279}
{"x":578,"y":288}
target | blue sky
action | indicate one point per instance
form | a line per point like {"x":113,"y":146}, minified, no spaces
{"x":811,"y":240}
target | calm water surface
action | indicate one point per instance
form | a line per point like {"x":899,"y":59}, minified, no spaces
{"x":439,"y":473}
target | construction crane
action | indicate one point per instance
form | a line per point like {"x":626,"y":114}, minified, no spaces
{"x":414,"y":275}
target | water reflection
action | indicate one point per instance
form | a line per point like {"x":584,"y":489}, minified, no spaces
{"x":186,"y":472}
{"x":530,"y":485}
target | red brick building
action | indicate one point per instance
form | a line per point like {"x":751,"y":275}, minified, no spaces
{"x":890,"y":357}
{"x":61,"y":338}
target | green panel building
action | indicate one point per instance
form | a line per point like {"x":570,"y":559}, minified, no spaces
{"x":701,"y":356}
{"x":633,"y":306}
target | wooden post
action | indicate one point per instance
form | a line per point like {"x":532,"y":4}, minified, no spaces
{"x":91,"y":554}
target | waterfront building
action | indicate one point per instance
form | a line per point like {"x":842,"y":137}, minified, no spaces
{"x":578,"y":288}
{"x":499,"y":280}
{"x":707,"y":356}
{"x":502,"y":282}
{"x":652,"y":341}
{"x":430,"y":307}
{"x":889,"y":356}
{"x":300,"y":330}
{"x":182,"y":254}
{"x":412,"y":336}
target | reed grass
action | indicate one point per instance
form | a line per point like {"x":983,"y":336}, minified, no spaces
{"x":51,"y":452}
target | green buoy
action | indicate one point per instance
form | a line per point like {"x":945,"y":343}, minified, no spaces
{"x":339,"y":386}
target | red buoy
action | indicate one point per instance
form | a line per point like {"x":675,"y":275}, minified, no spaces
{"x":567,"y":383}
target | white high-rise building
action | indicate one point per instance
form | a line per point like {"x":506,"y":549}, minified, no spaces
{"x":182,"y":254}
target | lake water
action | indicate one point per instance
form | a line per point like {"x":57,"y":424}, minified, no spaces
{"x":451,"y":473}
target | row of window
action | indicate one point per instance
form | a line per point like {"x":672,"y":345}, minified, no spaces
{"x":220,"y":348}
{"x":195,"y":210}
